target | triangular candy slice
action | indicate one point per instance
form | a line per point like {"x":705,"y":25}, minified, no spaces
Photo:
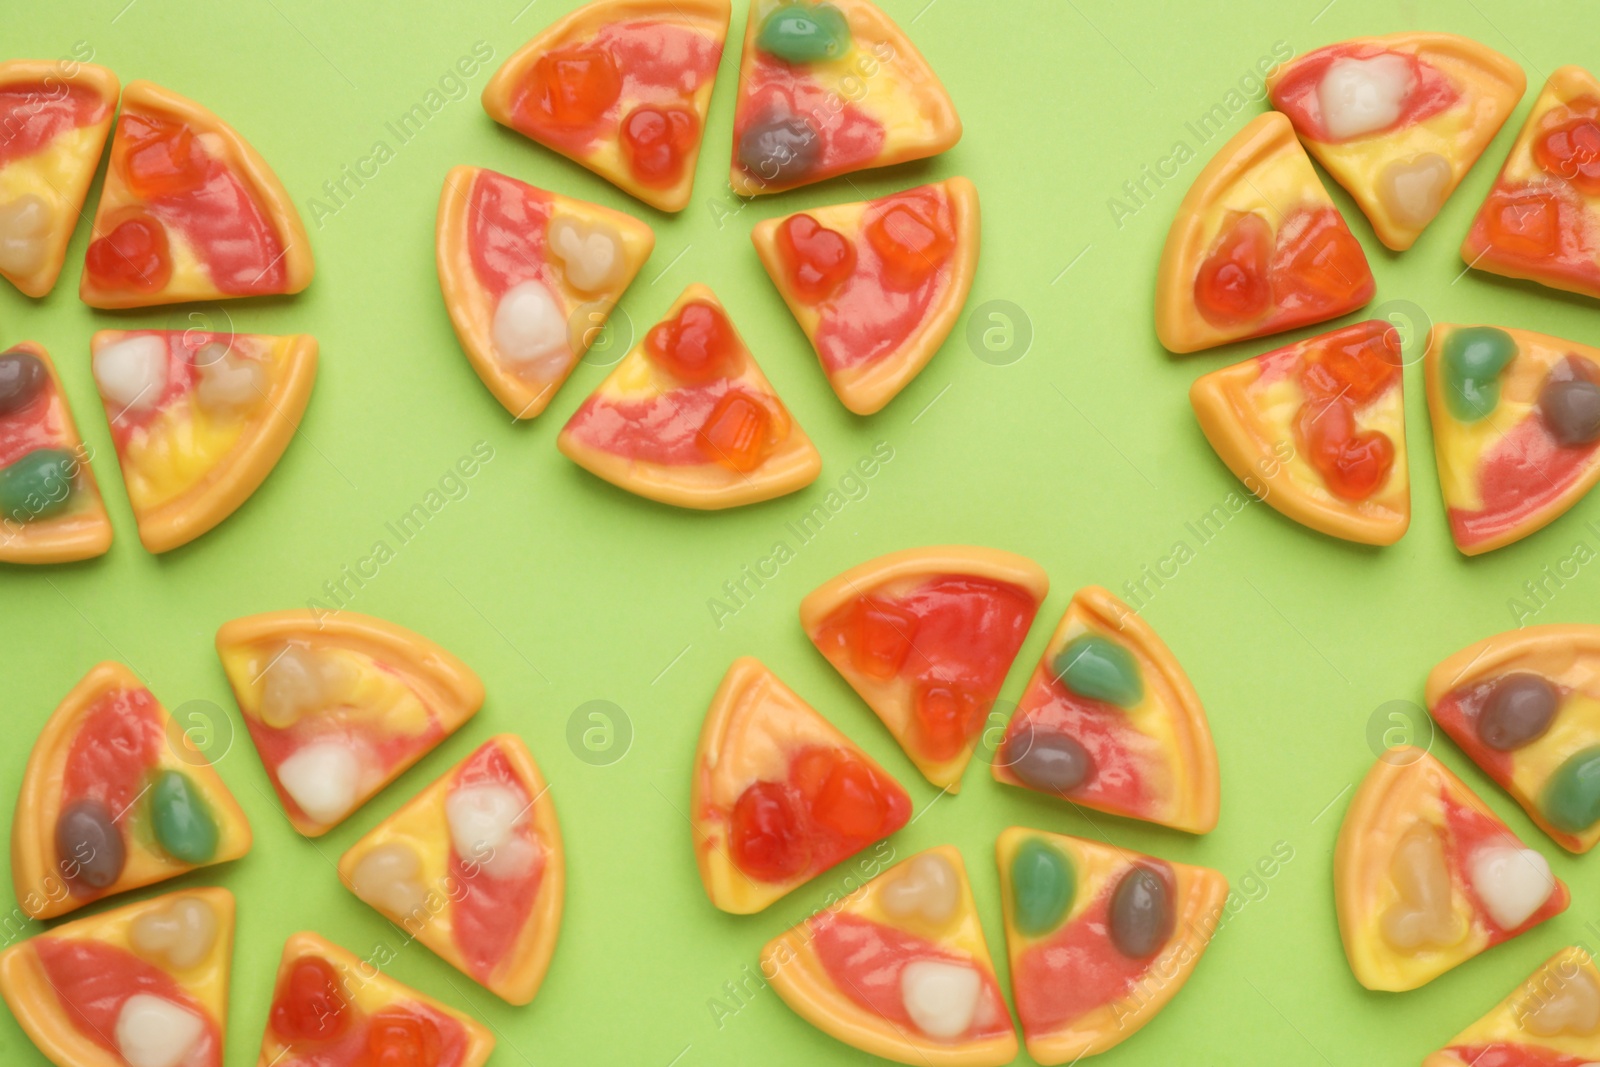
{"x":1398,"y":120}
{"x":339,"y":705}
{"x":1516,"y":429}
{"x":189,"y":211}
{"x":115,"y":797}
{"x":1257,"y":248}
{"x":926,"y":637}
{"x":1100,"y":938}
{"x":900,"y":969}
{"x":199,"y":419}
{"x":488,"y":829}
{"x":529,"y":279}
{"x":831,"y":88}
{"x":876,"y":285}
{"x":1425,"y":876}
{"x":1317,"y":429}
{"x":779,"y":795}
{"x":50,"y":506}
{"x":1110,"y":721}
{"x":1551,"y":1020}
{"x":55,"y":116}
{"x":621,"y":87}
{"x":142,"y":984}
{"x":687,"y":418}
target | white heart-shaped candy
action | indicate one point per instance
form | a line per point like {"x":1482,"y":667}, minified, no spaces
{"x":530,"y":331}
{"x":940,"y":997}
{"x":1414,"y":191}
{"x":1359,"y":96}
{"x":591,"y":256}
{"x":930,"y":889}
{"x":155,"y":1032}
{"x":484,"y":818}
{"x":1512,"y":882}
{"x":132,"y":372}
{"x":323,"y":778}
{"x":24,"y":223}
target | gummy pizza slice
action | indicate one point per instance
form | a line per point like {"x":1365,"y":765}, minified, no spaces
{"x":1551,"y":1020}
{"x":1426,"y":876}
{"x":1110,"y":721}
{"x":1516,"y":429}
{"x":831,"y":88}
{"x":1317,"y":430}
{"x":876,"y":285}
{"x":189,"y":211}
{"x":687,"y":418}
{"x":779,"y":795}
{"x":115,"y":797}
{"x":621,"y":87}
{"x":144,"y":985}
{"x":199,"y":419}
{"x":339,"y":705}
{"x":900,"y":969}
{"x":1100,"y":938}
{"x":1398,"y":120}
{"x":473,"y":868}
{"x":56,"y":117}
{"x":529,"y":279}
{"x":1257,"y":248}
{"x":926,"y":637}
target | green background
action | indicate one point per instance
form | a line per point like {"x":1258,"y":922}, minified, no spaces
{"x":1080,"y":452}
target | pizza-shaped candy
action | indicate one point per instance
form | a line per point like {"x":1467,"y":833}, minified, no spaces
{"x":199,"y":419}
{"x":115,"y":797}
{"x":900,"y":969}
{"x":529,"y":278}
{"x":189,"y":212}
{"x":621,"y":87}
{"x":1425,"y":876}
{"x":876,"y":285}
{"x":829,"y":88}
{"x":144,"y":985}
{"x":1258,"y":247}
{"x":1516,"y":429}
{"x":779,"y":795}
{"x":1551,"y":1020}
{"x":50,"y":506}
{"x":1317,"y":430}
{"x":340,"y":705}
{"x":473,"y":868}
{"x":926,"y":636}
{"x":56,"y":117}
{"x":1398,"y":120}
{"x":332,"y":1009}
{"x":1100,"y":938}
{"x":1110,"y":721}
{"x":687,"y":418}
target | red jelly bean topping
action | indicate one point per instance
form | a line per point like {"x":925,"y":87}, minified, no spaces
{"x":878,"y":635}
{"x":1318,"y":263}
{"x":1572,"y":150}
{"x":767,"y":836}
{"x":1232,"y":286}
{"x":946,"y":716}
{"x":572,"y":87}
{"x":739,"y":433}
{"x":160,"y":158}
{"x":697,"y":346}
{"x":658,"y":141}
{"x":310,"y":1006}
{"x":132,"y":256}
{"x":399,"y":1038}
{"x":912,"y":245}
{"x":818,"y":259}
{"x":1355,"y":367}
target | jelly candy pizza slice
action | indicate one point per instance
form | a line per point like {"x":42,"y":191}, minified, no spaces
{"x":926,"y":637}
{"x":831,"y":88}
{"x":1426,"y":876}
{"x":473,"y":868}
{"x":145,"y":985}
{"x":687,"y":418}
{"x":1398,"y":120}
{"x":115,"y":797}
{"x":529,"y":279}
{"x":876,"y":286}
{"x":621,"y":87}
{"x":56,"y":116}
{"x":339,"y":705}
{"x":189,"y":211}
{"x":1551,"y":1020}
{"x":1100,"y":938}
{"x":1110,"y":721}
{"x":1257,"y":248}
{"x":779,"y":795}
{"x":199,"y":419}
{"x":900,"y":969}
{"x":1317,"y":430}
{"x":1516,"y":429}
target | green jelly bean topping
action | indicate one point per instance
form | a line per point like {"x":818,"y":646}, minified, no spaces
{"x":1100,"y":669}
{"x":182,"y":820}
{"x":1571,"y":799}
{"x":1042,"y":887}
{"x":805,"y":33}
{"x":1474,"y":356}
{"x":37,"y":486}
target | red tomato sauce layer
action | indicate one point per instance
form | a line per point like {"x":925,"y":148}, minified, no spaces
{"x":661,"y":429}
{"x":42,"y":424}
{"x":1522,"y":473}
{"x":486,"y":920}
{"x":506,"y":224}
{"x":117,"y":744}
{"x":1501,"y":1054}
{"x":1471,"y":830}
{"x":1296,"y":94}
{"x":1126,"y":763}
{"x":848,"y":136}
{"x":31,"y":116}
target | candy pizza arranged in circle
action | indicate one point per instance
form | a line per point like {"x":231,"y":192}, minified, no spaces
{"x":1398,"y":120}
{"x":529,"y":278}
{"x":1317,"y":430}
{"x":340,"y":705}
{"x":1551,"y":1020}
{"x":1426,"y":876}
{"x":900,"y":970}
{"x":876,"y":286}
{"x":621,"y":87}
